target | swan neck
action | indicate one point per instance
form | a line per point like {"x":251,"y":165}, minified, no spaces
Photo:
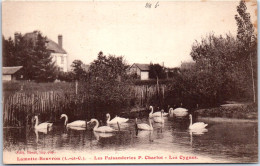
{"x":66,"y":120}
{"x":108,"y":119}
{"x":97,"y":124}
{"x":151,"y":110}
{"x":36,"y":123}
{"x":190,"y":120}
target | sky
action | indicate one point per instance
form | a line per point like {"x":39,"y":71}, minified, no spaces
{"x":164,"y":34}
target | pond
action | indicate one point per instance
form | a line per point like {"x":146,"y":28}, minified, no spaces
{"x":227,"y":140}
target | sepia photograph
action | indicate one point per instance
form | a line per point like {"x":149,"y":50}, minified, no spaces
{"x":130,"y":82}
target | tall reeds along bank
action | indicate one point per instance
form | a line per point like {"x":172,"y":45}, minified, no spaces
{"x":93,"y":100}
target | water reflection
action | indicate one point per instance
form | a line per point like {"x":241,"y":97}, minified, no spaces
{"x":228,"y":140}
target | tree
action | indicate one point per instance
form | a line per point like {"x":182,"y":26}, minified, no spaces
{"x":78,"y":70}
{"x":247,"y":42}
{"x":108,"y":67}
{"x":43,"y":66}
{"x":8,"y":52}
{"x":156,"y":71}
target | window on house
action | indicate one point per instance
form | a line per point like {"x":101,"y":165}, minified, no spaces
{"x":62,"y":60}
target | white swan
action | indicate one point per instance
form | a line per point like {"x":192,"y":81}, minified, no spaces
{"x":42,"y":126}
{"x":116,"y":119}
{"x":178,"y":112}
{"x":77,"y":123}
{"x":159,"y":119}
{"x":156,"y":113}
{"x":102,"y":129}
{"x":144,"y":126}
{"x":197,"y":125}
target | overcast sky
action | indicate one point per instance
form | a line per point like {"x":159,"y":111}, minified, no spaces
{"x":141,"y":35}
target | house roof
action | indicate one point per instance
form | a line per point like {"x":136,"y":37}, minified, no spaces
{"x":54,"y":47}
{"x":10,"y":70}
{"x":142,"y":67}
{"x":51,"y":45}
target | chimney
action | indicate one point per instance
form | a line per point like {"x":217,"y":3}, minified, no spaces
{"x":60,"y":40}
{"x":16,"y":34}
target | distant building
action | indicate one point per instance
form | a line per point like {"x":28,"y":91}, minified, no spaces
{"x":59,"y":55}
{"x":171,"y":72}
{"x":141,"y":70}
{"x":11,"y":73}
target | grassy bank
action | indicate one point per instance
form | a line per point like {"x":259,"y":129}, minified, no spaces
{"x":237,"y":111}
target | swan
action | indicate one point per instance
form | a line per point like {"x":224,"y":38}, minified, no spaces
{"x":116,"y":119}
{"x":159,"y":119}
{"x":102,"y":129}
{"x":196,"y":126}
{"x":77,"y":123}
{"x":156,"y":113}
{"x":144,"y":126}
{"x":43,"y":126}
{"x":178,"y":112}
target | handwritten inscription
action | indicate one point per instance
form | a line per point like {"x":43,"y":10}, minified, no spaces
{"x":150,"y":5}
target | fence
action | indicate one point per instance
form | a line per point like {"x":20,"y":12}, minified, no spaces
{"x":20,"y":107}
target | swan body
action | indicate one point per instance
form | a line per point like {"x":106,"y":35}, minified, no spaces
{"x":158,"y":119}
{"x":43,"y":126}
{"x":116,"y":119}
{"x":178,"y":112}
{"x":144,"y":126}
{"x":156,"y":114}
{"x":151,"y":114}
{"x":77,"y":123}
{"x":197,"y":126}
{"x":102,"y":129}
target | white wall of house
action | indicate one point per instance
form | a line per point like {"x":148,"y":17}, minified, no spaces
{"x":144,"y":75}
{"x":61,"y":61}
{"x":6,"y":77}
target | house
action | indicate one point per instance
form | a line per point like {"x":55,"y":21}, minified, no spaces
{"x":59,"y":55}
{"x":11,"y":73}
{"x":171,"y":72}
{"x":140,"y":70}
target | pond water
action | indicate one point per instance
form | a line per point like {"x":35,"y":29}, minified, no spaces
{"x":225,"y":141}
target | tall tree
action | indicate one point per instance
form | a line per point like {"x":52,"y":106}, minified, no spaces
{"x":43,"y":66}
{"x":8,"y":52}
{"x":247,"y":42}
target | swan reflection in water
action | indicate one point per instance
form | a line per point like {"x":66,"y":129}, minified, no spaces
{"x":43,"y":131}
{"x":196,"y":132}
{"x":102,"y":135}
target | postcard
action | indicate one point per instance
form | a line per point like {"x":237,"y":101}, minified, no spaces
{"x":103,"y":82}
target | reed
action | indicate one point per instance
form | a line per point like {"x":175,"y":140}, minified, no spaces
{"x":21,"y":105}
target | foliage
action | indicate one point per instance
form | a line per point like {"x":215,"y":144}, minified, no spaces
{"x":7,"y":53}
{"x":247,"y":43}
{"x":66,"y":76}
{"x":108,"y":67}
{"x":43,"y":67}
{"x":78,"y":70}
{"x":225,"y":61}
{"x":156,"y":72}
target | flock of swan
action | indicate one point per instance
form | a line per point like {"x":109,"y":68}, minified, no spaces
{"x":157,"y":117}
